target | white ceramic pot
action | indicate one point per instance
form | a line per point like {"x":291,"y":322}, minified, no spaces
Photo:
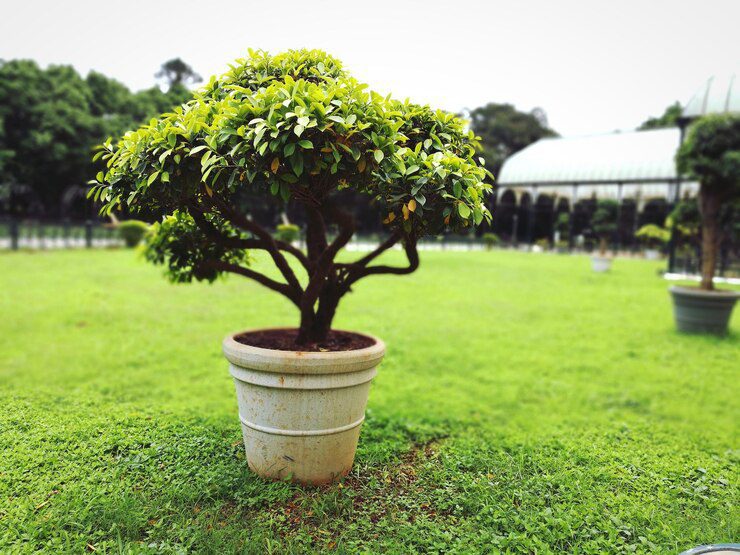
{"x":652,"y":254}
{"x":601,"y":263}
{"x":301,"y":412}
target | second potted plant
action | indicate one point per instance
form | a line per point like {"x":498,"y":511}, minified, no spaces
{"x":298,"y":129}
{"x":710,"y":154}
{"x":653,"y":237}
{"x":604,"y":225}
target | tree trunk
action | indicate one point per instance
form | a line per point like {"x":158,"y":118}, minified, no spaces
{"x":710,"y":207}
{"x":602,"y":246}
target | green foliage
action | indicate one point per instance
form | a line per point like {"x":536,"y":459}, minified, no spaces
{"x":652,"y":234}
{"x":296,"y":126}
{"x":525,"y":451}
{"x":490,"y":240}
{"x":132,"y":232}
{"x":288,"y":232}
{"x":179,"y":243}
{"x":711,"y":154}
{"x":685,"y":218}
{"x":669,"y":118}
{"x":51,"y":118}
{"x":604,"y":220}
{"x":505,"y":130}
{"x":562,"y":225}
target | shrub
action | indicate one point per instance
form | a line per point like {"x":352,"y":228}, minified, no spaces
{"x":653,"y":235}
{"x":490,"y":240}
{"x":298,"y":128}
{"x":132,"y":232}
{"x":562,"y":225}
{"x":604,"y":222}
{"x":711,"y":154}
{"x":288,"y":233}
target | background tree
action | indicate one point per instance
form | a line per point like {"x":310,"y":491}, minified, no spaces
{"x":505,"y":130}
{"x":177,"y":73}
{"x":669,"y":118}
{"x":604,"y":222}
{"x":50,"y":119}
{"x":295,"y":127}
{"x":711,"y":154}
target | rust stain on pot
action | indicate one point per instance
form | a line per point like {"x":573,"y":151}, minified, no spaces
{"x":282,"y":380}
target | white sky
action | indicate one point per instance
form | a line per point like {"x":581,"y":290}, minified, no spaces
{"x":593,"y":65}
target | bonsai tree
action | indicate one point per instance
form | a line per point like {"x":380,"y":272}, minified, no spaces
{"x":298,"y":128}
{"x":132,"y":232}
{"x":287,"y":233}
{"x":711,"y":154}
{"x":653,"y":235}
{"x":562,"y":226}
{"x":604,"y":222}
{"x":490,"y":240}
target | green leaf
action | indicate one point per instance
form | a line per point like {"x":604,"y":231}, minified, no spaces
{"x":289,"y":149}
{"x":378,"y":155}
{"x":297,"y":162}
{"x":152,"y":178}
{"x":463,"y":210}
{"x":298,"y":129}
{"x":275,"y":187}
{"x":172,"y":139}
{"x":165,"y":177}
{"x":305,"y":143}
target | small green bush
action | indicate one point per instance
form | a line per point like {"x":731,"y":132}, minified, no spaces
{"x":288,"y":232}
{"x":490,"y":240}
{"x":132,"y":232}
{"x":653,"y":235}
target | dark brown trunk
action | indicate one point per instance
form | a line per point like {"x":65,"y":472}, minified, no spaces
{"x":315,"y":326}
{"x":602,"y":246}
{"x":710,"y":207}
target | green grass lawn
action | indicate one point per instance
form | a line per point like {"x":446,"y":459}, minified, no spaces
{"x":526,"y":405}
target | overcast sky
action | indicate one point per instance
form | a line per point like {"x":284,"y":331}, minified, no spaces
{"x":594,"y":66}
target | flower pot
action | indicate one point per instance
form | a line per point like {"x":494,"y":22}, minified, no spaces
{"x":601,"y":263}
{"x":700,"y":311}
{"x":301,"y":412}
{"x":652,"y":254}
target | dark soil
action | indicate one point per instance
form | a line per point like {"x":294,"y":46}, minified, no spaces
{"x":284,"y":340}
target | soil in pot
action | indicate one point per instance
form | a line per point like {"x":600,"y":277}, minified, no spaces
{"x":284,"y":340}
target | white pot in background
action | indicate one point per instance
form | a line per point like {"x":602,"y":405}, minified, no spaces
{"x":301,"y":412}
{"x":652,"y":254}
{"x":601,"y":263}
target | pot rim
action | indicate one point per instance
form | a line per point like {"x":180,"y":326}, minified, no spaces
{"x":302,"y":362}
{"x":688,"y":290}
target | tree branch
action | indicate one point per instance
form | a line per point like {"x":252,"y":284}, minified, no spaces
{"x":269,"y":241}
{"x":365,"y":260}
{"x":281,"y":288}
{"x":358,"y":272}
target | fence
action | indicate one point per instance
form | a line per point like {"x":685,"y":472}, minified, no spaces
{"x":45,"y":234}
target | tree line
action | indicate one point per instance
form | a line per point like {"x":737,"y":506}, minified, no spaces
{"x":51,"y":118}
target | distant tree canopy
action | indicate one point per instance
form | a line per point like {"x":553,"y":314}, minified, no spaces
{"x":505,"y":130}
{"x":50,"y":119}
{"x":669,"y":118}
{"x":176,"y":73}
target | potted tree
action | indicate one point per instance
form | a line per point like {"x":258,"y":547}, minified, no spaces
{"x":562,"y":230}
{"x":653,"y":237}
{"x":710,"y":154}
{"x":297,"y":128}
{"x":604,"y":225}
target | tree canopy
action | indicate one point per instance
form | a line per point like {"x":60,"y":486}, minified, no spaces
{"x":669,"y":118}
{"x":177,"y":73}
{"x":505,"y":130}
{"x":50,"y":119}
{"x":297,"y":127}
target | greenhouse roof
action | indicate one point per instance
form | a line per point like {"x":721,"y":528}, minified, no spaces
{"x":625,"y":157}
